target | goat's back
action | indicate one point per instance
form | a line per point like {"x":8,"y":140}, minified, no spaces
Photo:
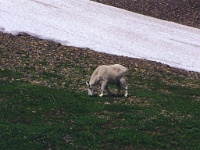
{"x":112,"y":71}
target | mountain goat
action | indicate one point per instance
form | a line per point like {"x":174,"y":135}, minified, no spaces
{"x":104,"y":75}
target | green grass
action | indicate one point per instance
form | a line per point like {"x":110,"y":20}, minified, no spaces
{"x":44,"y":102}
{"x":38,"y":117}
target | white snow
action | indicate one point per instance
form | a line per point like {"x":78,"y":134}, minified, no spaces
{"x":83,"y":23}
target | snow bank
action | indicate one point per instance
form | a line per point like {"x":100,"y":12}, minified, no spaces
{"x":104,"y":28}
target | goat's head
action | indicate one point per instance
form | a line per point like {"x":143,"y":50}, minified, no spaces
{"x":90,"y":89}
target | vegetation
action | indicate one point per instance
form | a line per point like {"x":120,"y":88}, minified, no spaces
{"x":44,"y":102}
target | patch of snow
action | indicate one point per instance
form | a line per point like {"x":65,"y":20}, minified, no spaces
{"x":104,"y":28}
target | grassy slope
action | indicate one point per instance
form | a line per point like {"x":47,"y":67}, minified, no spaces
{"x":43,"y":103}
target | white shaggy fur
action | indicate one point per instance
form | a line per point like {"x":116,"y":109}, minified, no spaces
{"x":104,"y":75}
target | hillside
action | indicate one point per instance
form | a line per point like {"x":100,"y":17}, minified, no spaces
{"x":44,"y":102}
{"x":33,"y":56}
{"x":186,"y":12}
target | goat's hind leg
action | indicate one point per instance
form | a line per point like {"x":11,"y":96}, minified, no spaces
{"x":123,"y":82}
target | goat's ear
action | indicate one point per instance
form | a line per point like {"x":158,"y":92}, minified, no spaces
{"x":87,"y":83}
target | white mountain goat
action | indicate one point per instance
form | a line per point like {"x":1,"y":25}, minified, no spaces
{"x":104,"y":75}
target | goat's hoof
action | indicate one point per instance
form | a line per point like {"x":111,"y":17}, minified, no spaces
{"x":100,"y":95}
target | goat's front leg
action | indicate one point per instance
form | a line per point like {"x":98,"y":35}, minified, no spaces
{"x":103,"y":86}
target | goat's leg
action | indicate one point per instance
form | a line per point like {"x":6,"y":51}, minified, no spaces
{"x":103,"y":86}
{"x":123,"y":82}
{"x":109,"y":93}
{"x":118,"y":87}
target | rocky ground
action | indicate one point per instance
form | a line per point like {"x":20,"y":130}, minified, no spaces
{"x":186,"y":12}
{"x":52,"y":64}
